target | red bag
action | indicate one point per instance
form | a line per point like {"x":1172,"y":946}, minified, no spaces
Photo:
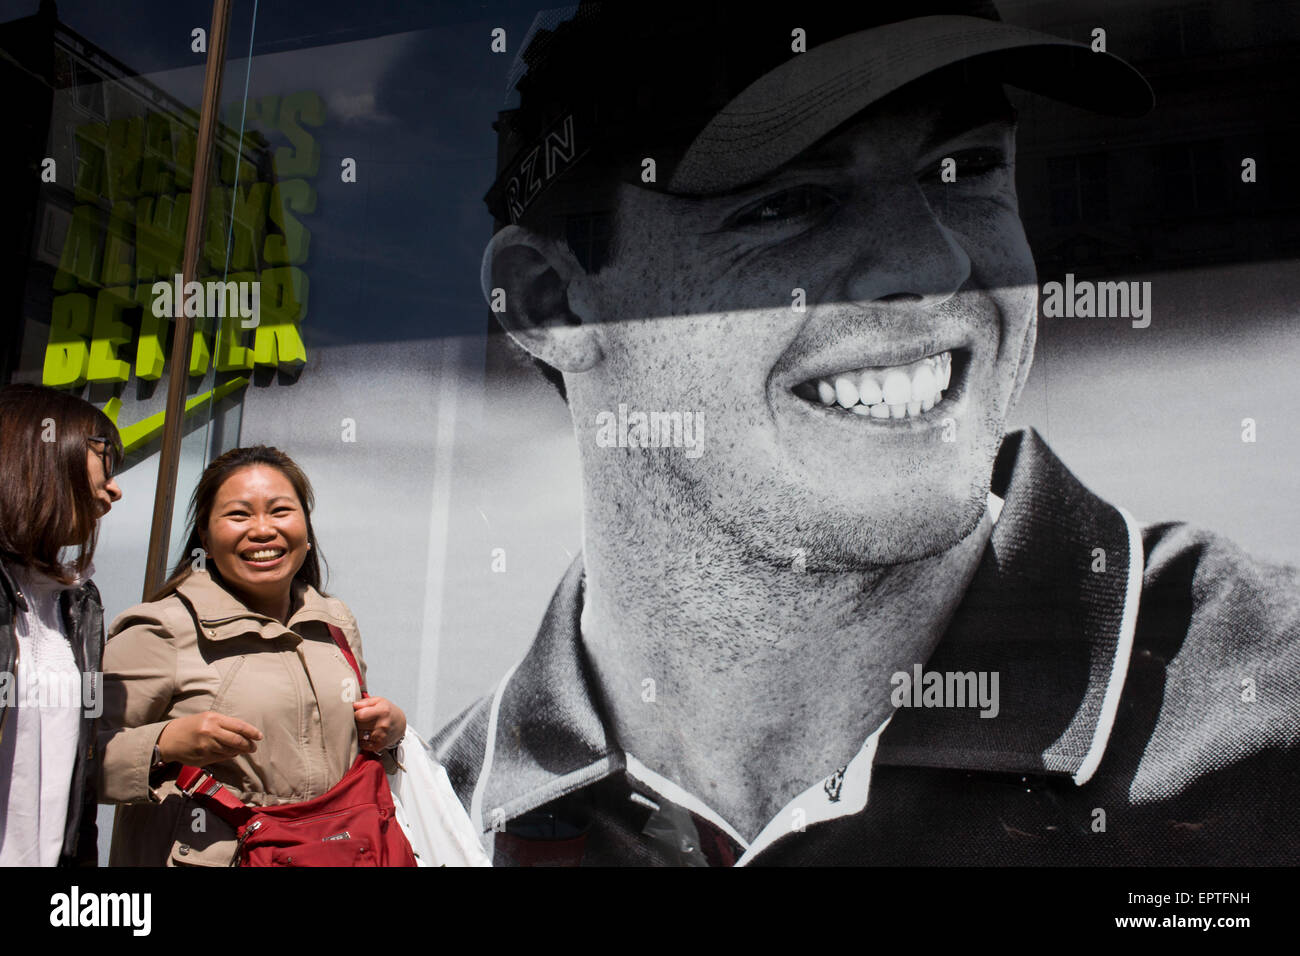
{"x":352,"y":824}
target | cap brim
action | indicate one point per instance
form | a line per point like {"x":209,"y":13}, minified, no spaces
{"x":788,"y":109}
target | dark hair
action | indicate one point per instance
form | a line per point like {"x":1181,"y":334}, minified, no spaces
{"x":205,"y":494}
{"x":577,"y":209}
{"x":47,"y":502}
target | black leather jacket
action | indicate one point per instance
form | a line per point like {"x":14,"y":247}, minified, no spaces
{"x":83,"y":625}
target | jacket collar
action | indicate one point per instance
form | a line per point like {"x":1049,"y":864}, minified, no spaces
{"x":221,"y":615}
{"x":14,"y":595}
{"x":1042,"y":611}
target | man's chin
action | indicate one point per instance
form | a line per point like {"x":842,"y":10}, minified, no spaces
{"x":904,"y":540}
{"x":854,"y":541}
{"x":900,"y":515}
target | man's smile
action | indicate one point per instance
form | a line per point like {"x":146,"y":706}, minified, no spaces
{"x":899,"y":373}
{"x":889,"y":392}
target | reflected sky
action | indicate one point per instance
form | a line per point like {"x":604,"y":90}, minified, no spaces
{"x":410,"y":95}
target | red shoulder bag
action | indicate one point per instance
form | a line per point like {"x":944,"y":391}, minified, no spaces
{"x":351,"y":824}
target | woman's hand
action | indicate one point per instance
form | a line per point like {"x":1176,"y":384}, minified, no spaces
{"x":380,"y":723}
{"x":207,"y":738}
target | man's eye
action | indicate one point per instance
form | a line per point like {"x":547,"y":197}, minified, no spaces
{"x":970,"y":163}
{"x":798,"y":202}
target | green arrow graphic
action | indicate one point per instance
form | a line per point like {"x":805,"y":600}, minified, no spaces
{"x":142,"y":432}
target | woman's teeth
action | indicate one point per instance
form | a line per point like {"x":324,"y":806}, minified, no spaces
{"x":900,"y":391}
{"x":270,"y":554}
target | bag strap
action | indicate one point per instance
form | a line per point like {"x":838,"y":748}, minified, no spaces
{"x":202,"y":786}
{"x":342,"y":642}
{"x":198,"y":783}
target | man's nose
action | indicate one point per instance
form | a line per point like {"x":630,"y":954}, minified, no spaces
{"x":906,"y":253}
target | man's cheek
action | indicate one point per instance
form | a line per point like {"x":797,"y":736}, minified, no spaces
{"x":994,"y":238}
{"x":1015,"y":270}
{"x":783,"y":284}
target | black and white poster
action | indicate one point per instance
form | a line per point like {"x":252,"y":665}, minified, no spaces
{"x":809,"y":434}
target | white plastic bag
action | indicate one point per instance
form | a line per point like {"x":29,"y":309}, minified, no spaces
{"x":429,"y":812}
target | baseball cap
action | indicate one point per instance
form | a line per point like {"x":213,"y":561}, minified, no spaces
{"x":718,"y":94}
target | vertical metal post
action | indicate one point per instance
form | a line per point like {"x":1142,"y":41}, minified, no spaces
{"x":182,"y":329}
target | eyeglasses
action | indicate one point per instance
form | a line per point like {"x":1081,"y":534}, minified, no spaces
{"x":106,"y":457}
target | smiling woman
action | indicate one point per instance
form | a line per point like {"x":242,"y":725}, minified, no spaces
{"x":234,"y":667}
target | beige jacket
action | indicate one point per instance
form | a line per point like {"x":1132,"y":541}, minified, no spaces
{"x":201,"y":649}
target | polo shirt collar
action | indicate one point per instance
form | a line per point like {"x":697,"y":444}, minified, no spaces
{"x":1051,"y":609}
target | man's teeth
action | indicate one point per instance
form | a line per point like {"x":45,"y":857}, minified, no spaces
{"x":902,"y":391}
{"x":270,"y":554}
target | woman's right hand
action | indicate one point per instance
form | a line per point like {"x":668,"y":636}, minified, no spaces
{"x":206,"y":738}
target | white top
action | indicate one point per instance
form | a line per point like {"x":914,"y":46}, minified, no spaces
{"x":38,"y":749}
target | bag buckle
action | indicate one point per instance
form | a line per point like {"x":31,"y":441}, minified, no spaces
{"x":202,"y":784}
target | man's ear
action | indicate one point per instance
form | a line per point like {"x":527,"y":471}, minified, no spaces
{"x":534,"y":285}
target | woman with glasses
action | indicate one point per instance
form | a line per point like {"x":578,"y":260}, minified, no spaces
{"x":57,"y":458}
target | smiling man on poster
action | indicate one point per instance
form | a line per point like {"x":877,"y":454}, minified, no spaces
{"x":859,"y":623}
